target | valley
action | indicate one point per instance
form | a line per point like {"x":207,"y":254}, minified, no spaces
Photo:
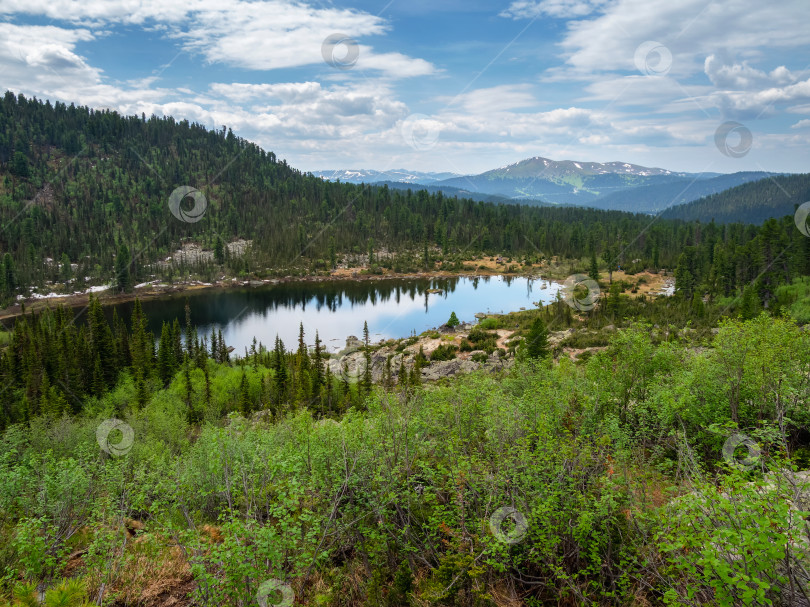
{"x":229,"y":378}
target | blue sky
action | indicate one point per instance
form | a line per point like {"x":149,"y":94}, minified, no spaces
{"x":442,"y":85}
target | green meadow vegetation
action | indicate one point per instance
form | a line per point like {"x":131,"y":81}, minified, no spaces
{"x":616,"y":466}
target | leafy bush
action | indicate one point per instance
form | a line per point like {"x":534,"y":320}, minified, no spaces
{"x":743,"y":543}
{"x":488,"y":323}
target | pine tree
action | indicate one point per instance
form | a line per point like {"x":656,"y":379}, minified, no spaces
{"x":593,"y":273}
{"x":101,"y":340}
{"x":224,"y":357}
{"x":214,"y":345}
{"x":279,"y":366}
{"x":366,"y":380}
{"x":318,"y":380}
{"x":332,"y":253}
{"x":537,"y":339}
{"x":141,"y":343}
{"x":453,"y":322}
{"x":166,"y":361}
{"x":190,"y":331}
{"x":122,"y":272}
{"x":244,"y":396}
{"x":9,"y":276}
{"x":219,"y":251}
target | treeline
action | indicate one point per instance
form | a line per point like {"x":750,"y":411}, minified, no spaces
{"x":754,"y":202}
{"x":54,"y":362}
{"x":84,"y":198}
{"x":715,"y":267}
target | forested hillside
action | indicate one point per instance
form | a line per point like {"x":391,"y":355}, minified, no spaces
{"x":655,"y":198}
{"x":754,"y":202}
{"x":84,"y":199}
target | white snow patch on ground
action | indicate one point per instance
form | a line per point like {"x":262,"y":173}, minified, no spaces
{"x":96,"y":289}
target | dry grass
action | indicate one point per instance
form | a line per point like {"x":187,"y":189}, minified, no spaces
{"x":150,"y":575}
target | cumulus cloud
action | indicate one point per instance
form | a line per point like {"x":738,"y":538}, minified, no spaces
{"x":690,"y":29}
{"x":256,"y":35}
{"x":744,"y":76}
{"x":762,"y":102}
{"x":42,"y":61}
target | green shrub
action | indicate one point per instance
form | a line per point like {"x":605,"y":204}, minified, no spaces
{"x":482,"y":340}
{"x":444,"y":352}
{"x":488,"y":323}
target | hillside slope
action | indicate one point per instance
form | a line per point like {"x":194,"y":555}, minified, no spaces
{"x":654,"y":198}
{"x":85,"y":196}
{"x":750,"y":203}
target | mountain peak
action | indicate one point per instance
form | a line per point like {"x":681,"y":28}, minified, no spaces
{"x":538,"y":166}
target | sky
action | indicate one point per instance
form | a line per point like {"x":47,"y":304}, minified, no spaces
{"x":440,"y":85}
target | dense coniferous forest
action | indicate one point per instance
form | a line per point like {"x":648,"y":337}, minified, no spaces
{"x":85,"y":195}
{"x":754,"y":202}
{"x":649,"y":451}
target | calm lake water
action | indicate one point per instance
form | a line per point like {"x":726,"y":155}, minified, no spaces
{"x":337,"y":309}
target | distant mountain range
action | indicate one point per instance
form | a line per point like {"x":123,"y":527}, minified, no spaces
{"x":611,"y":185}
{"x":563,"y":182}
{"x":655,"y":198}
{"x":394,"y":176}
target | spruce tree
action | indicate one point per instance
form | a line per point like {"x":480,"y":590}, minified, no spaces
{"x":537,"y":339}
{"x":593,"y":273}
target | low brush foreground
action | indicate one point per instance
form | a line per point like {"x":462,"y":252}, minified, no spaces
{"x":179,"y":476}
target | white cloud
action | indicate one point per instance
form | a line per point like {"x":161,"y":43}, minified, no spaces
{"x":495,"y":99}
{"x":743,"y":76}
{"x":42,"y":61}
{"x":308,"y":110}
{"x":802,"y":124}
{"x":564,"y":9}
{"x":755,"y":103}
{"x":255,"y":35}
{"x":690,"y":29}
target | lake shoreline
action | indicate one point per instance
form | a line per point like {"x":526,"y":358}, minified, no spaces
{"x":175,"y":289}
